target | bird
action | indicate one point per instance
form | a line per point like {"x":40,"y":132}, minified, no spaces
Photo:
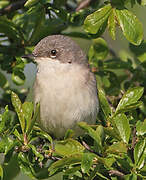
{"x":64,"y":86}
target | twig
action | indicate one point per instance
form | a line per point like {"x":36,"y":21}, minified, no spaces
{"x":133,"y":138}
{"x":117,"y":173}
{"x":12,"y":7}
{"x":83,"y":4}
{"x":89,"y":149}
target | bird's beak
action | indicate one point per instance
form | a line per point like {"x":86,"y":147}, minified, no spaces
{"x":28,"y":56}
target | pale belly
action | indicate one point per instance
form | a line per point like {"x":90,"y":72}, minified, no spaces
{"x":63,"y":103}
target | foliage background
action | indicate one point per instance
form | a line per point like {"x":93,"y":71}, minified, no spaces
{"x":115,"y":147}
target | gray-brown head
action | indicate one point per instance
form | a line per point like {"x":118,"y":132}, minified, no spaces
{"x":59,"y":47}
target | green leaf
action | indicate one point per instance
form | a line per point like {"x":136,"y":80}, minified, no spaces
{"x":3,"y":4}
{"x":18,"y":108}
{"x":18,"y":77}
{"x":142,"y":2}
{"x":104,"y":103}
{"x":1,"y":172}
{"x":3,"y":81}
{"x":69,"y":134}
{"x":9,"y":29}
{"x":130,"y":25}
{"x":139,"y":51}
{"x":87,"y":161}
{"x":122,"y":124}
{"x":141,"y":128}
{"x":30,"y":3}
{"x":129,"y":98}
{"x":74,"y":159}
{"x":112,"y":24}
{"x":24,"y":165}
{"x":33,"y":120}
{"x":17,"y":134}
{"x":91,"y":133}
{"x":112,"y":132}
{"x":27,"y":111}
{"x":68,"y":147}
{"x":99,"y":49}
{"x":94,"y":22}
{"x":139,"y":150}
{"x":72,"y":170}
{"x":117,"y":148}
{"x":40,"y":14}
{"x":37,"y":154}
{"x":5,"y":122}
{"x":43,"y":134}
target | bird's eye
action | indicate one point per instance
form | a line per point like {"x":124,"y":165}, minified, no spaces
{"x":53,"y":53}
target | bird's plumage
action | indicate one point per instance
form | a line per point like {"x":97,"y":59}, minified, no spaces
{"x":64,"y":86}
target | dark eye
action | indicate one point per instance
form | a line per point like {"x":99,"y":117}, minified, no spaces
{"x":53,"y":53}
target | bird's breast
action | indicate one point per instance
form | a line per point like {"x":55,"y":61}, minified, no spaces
{"x":66,"y":96}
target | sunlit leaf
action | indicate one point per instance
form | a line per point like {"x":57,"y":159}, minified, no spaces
{"x":117,"y":148}
{"x":112,"y":24}
{"x":68,"y":147}
{"x":94,"y":22}
{"x":1,"y":172}
{"x":5,"y":120}
{"x":30,"y":3}
{"x":130,"y":97}
{"x":87,"y":161}
{"x":122,"y":124}
{"x":141,"y":128}
{"x":130,"y":25}
{"x":35,"y":116}
{"x":104,"y":103}
{"x":18,"y":108}
{"x":139,"y":150}
{"x":27,"y":111}
{"x":74,"y":159}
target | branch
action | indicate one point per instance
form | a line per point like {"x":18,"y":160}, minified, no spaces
{"x":117,"y":173}
{"x":83,"y":4}
{"x":12,"y":7}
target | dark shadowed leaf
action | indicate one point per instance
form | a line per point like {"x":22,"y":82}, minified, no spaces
{"x":99,"y":49}
{"x":130,"y":25}
{"x":91,"y":133}
{"x":3,"y":81}
{"x":139,"y":51}
{"x":104,"y":103}
{"x":18,"y":77}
